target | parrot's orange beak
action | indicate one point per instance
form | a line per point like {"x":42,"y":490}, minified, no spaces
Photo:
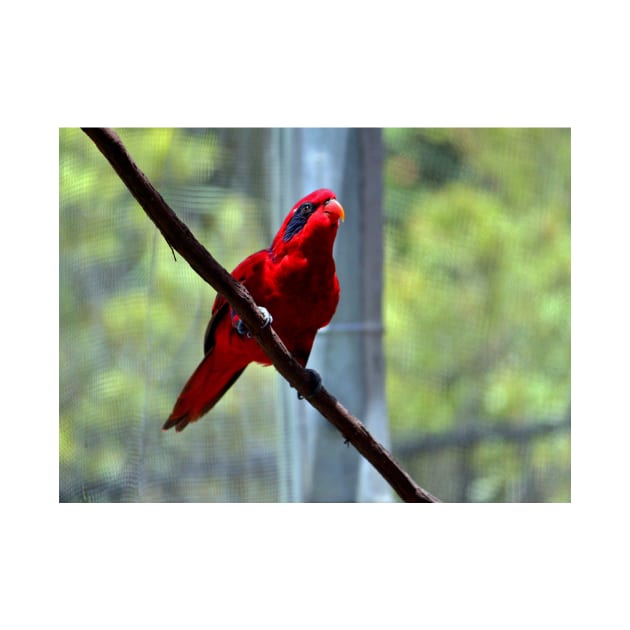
{"x":332,"y":206}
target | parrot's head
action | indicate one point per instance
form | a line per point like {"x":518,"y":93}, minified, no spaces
{"x":316,"y":214}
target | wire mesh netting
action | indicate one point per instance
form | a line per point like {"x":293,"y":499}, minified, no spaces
{"x":132,"y":322}
{"x":477,"y":299}
{"x":476,"y":314}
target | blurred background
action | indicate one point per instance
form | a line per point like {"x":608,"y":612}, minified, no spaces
{"x":451,"y":341}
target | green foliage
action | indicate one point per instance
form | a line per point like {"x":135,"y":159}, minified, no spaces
{"x":128,"y":308}
{"x":477,"y":289}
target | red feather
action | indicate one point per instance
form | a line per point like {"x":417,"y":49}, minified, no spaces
{"x":295,"y":280}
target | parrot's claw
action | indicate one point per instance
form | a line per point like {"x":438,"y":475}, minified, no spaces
{"x":243,"y":331}
{"x":316,"y":379}
{"x":267,"y":315}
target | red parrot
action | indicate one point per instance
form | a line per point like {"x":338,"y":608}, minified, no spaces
{"x":295,"y":284}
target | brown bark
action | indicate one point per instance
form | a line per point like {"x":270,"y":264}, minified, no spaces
{"x":179,"y":237}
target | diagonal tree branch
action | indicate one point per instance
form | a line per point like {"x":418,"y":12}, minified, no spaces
{"x":180,"y":238}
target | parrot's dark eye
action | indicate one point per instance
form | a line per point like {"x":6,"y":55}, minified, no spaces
{"x":305,"y":209}
{"x":298,"y":220}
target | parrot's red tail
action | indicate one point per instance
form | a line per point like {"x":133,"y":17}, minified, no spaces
{"x":203,"y":391}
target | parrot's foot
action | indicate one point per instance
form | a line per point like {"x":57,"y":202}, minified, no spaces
{"x":242,"y":330}
{"x":316,"y":380}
